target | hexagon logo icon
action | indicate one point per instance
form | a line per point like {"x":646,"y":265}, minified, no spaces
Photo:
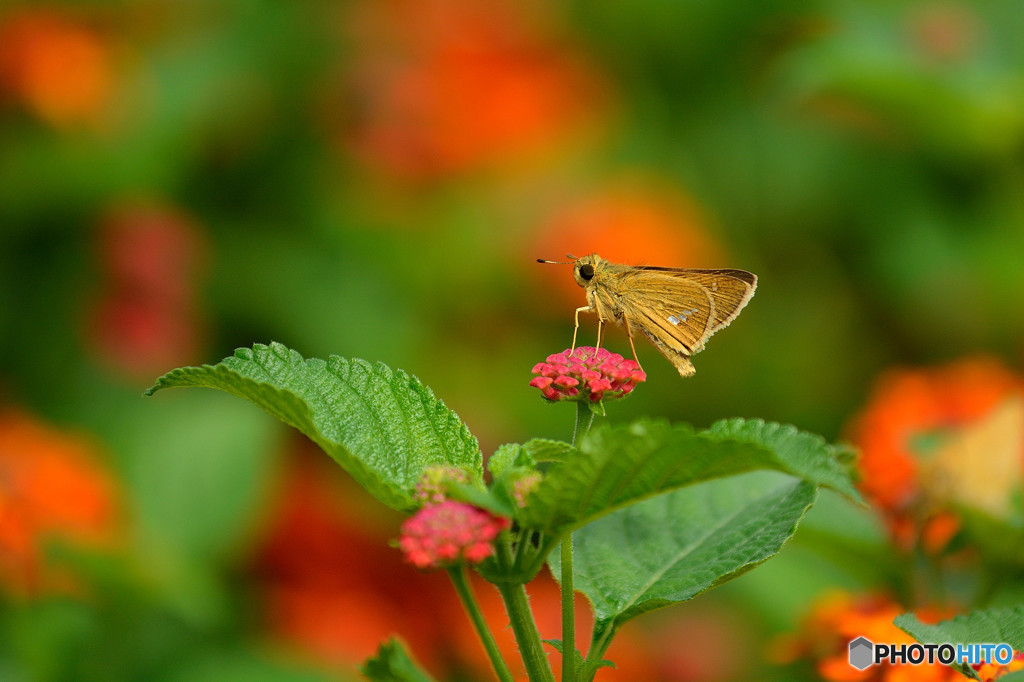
{"x":861,"y":653}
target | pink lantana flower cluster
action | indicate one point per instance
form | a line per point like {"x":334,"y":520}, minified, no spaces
{"x":444,"y":534}
{"x":586,"y":374}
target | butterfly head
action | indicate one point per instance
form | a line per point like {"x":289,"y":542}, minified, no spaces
{"x":584,"y":269}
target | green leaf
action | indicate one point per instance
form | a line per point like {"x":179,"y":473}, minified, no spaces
{"x":492,"y":499}
{"x":509,"y":456}
{"x":806,"y":455}
{"x":995,"y":626}
{"x":510,"y":463}
{"x":391,"y":663}
{"x":543,"y":450}
{"x":675,"y":546}
{"x":381,"y":425}
{"x":617,"y":466}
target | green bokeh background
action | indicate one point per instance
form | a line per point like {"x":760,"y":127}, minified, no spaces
{"x":865,"y":159}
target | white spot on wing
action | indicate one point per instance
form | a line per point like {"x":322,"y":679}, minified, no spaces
{"x":682,"y":317}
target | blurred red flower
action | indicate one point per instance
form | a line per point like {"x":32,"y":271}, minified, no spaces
{"x":930,"y":439}
{"x":52,"y":485}
{"x":632,"y":659}
{"x":837,"y":618}
{"x":446,"y":86}
{"x":334,"y":587}
{"x":59,"y":68}
{"x":624,"y":223}
{"x":146,"y":318}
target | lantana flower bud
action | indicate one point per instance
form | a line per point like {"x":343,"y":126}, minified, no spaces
{"x":586,"y":373}
{"x":431,"y":487}
{"x":522,"y":488}
{"x":444,"y":534}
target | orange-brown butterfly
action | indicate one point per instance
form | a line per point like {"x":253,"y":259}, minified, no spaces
{"x":677,"y":308}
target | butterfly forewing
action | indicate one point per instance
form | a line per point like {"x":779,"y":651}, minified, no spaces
{"x":677,"y":311}
{"x":728,"y":289}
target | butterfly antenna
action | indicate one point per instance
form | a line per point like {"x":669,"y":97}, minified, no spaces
{"x":556,"y":262}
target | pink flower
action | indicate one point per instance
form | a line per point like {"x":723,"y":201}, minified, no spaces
{"x":587,"y":374}
{"x":446,"y":533}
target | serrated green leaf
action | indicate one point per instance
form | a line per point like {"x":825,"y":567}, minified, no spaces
{"x":995,"y":626}
{"x":806,"y":455}
{"x":677,"y":545}
{"x":617,"y":466}
{"x":544,"y":450}
{"x":382,"y":425}
{"x":392,"y":663}
{"x":509,"y":456}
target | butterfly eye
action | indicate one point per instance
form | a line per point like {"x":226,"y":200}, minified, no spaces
{"x":587,"y":272}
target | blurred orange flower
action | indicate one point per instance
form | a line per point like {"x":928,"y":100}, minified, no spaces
{"x":146,"y":318}
{"x":445,"y":86}
{"x":932,"y":439}
{"x":52,"y":485}
{"x":59,"y":68}
{"x":625,"y":223}
{"x":837,"y":618}
{"x":988,"y":672}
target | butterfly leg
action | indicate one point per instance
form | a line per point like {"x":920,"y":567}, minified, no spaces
{"x":629,"y":333}
{"x":600,"y":329}
{"x":584,"y":309}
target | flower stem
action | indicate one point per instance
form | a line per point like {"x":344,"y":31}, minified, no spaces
{"x":584,"y":418}
{"x":598,"y":646}
{"x":461,"y":582}
{"x":568,"y":614}
{"x":525,"y":628}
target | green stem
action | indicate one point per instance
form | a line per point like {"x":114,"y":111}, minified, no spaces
{"x":525,"y":628}
{"x":568,"y":614}
{"x":584,"y":418}
{"x":598,"y":646}
{"x":538,"y":556}
{"x":461,"y":582}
